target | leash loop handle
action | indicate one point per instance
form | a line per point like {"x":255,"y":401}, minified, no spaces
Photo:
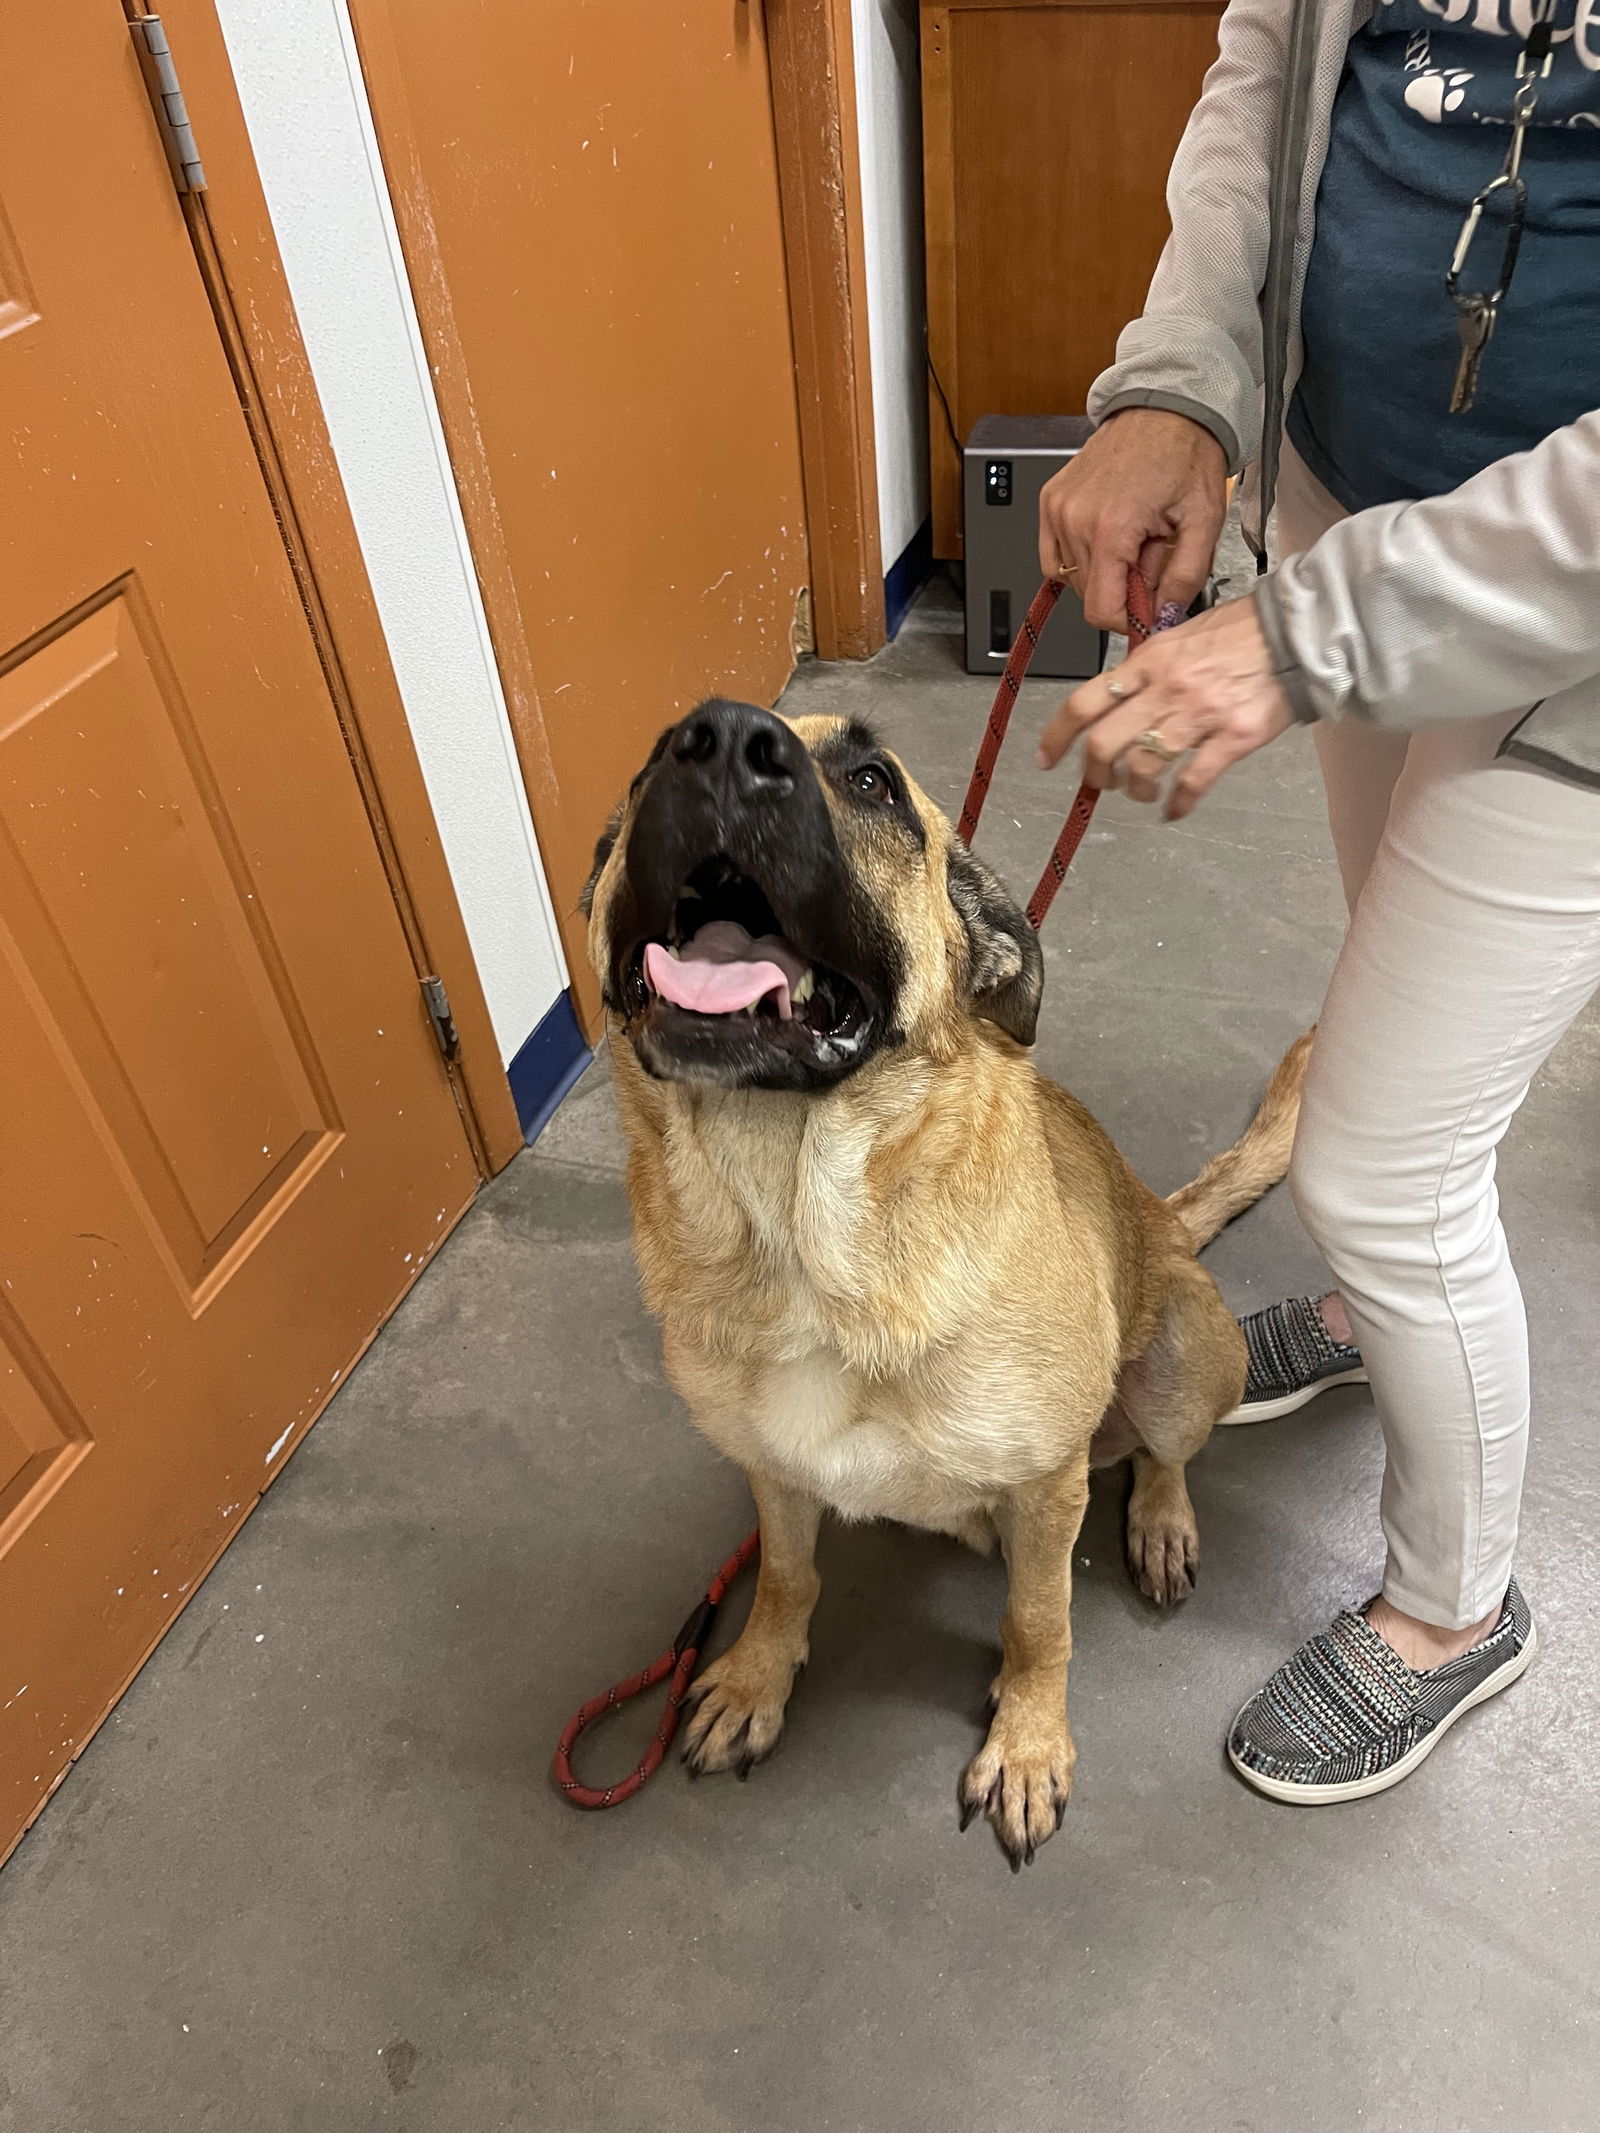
{"x":1142,"y":623}
{"x":680,"y":1660}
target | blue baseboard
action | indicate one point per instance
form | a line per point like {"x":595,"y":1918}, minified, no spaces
{"x":546,"y":1067}
{"x":907,"y":575}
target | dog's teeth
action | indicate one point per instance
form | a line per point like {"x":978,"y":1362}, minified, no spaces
{"x":802,"y":989}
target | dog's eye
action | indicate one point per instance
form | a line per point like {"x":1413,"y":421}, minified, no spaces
{"x":872,"y":781}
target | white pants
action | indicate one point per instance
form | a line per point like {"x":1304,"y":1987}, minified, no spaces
{"x":1474,"y":941}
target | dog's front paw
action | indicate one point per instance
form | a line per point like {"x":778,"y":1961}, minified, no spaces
{"x":739,"y":1703}
{"x":1021,"y":1779}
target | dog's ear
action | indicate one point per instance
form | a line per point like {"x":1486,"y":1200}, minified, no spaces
{"x":1005,"y":964}
{"x":605,"y":845}
{"x":613,"y":829}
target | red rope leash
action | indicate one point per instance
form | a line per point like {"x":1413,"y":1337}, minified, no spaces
{"x":680,"y":1659}
{"x":682,"y":1656}
{"x":1142,"y":623}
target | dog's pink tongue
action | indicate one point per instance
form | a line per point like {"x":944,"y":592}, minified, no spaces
{"x":722,"y":970}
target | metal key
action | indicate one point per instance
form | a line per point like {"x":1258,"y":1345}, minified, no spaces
{"x":1475,"y":322}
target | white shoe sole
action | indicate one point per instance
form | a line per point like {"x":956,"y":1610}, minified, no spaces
{"x":1270,"y":1410}
{"x":1363,"y":1788}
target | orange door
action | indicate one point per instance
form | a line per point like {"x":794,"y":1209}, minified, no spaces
{"x":226,"y":1140}
{"x":587,"y":194}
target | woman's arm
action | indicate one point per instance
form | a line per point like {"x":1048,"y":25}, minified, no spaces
{"x":1196,"y":350}
{"x":1185,"y":387}
{"x":1479,"y":601}
{"x":1473,"y":602}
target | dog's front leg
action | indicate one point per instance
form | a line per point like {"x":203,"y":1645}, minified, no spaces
{"x":740,"y":1698}
{"x":1022,"y":1776}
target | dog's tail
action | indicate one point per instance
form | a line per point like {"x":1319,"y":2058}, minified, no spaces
{"x":1238,"y":1177}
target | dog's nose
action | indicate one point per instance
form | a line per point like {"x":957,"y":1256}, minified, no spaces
{"x":760,"y":757}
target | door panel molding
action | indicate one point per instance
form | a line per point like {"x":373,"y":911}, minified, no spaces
{"x":207,"y":1139}
{"x":17,"y":305}
{"x":42,"y":1435}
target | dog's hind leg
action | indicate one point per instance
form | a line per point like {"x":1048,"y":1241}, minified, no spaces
{"x":1190,"y":1376}
{"x":741,"y":1697}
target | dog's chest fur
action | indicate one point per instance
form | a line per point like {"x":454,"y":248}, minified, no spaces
{"x":824,"y":1322}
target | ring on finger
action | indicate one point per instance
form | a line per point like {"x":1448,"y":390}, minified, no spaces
{"x":1154,"y":742}
{"x":1119,"y":691}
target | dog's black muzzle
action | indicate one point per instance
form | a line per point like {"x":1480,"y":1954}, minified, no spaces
{"x":733,"y":822}
{"x":735,"y":783}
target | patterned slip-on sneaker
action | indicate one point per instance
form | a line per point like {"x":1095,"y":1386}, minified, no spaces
{"x":1346,"y":1716}
{"x":1293,"y":1357}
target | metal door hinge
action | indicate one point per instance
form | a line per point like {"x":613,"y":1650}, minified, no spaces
{"x":437,"y":1001}
{"x":161,"y":79}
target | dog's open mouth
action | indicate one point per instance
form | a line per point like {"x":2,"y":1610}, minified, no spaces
{"x":725,"y":978}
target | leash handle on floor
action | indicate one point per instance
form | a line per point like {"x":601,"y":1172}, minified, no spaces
{"x":680,"y":1660}
{"x":1142,"y":623}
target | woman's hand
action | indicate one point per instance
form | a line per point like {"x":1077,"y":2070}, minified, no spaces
{"x":1204,"y":690}
{"x":1145,"y":477}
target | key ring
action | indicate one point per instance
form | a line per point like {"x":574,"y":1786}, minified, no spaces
{"x":1478,"y":313}
{"x":1507,"y":181}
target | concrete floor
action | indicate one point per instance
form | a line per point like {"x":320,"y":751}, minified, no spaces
{"x":311,"y":1878}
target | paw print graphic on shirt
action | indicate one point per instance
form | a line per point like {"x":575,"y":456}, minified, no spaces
{"x":1438,"y":93}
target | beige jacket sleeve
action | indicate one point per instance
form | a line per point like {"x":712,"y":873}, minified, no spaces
{"x":1482,"y":600}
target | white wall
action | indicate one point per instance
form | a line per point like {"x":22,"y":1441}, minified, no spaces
{"x":889,"y":120}
{"x":306,"y":108}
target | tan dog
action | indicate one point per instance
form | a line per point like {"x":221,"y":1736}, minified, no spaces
{"x":898,"y":1273}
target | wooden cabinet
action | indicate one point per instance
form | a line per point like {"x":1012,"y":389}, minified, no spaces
{"x":1048,"y":128}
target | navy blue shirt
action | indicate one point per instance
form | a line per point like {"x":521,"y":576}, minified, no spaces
{"x":1420,"y":125}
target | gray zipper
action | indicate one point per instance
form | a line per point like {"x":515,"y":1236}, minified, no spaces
{"x":1283,"y":228}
